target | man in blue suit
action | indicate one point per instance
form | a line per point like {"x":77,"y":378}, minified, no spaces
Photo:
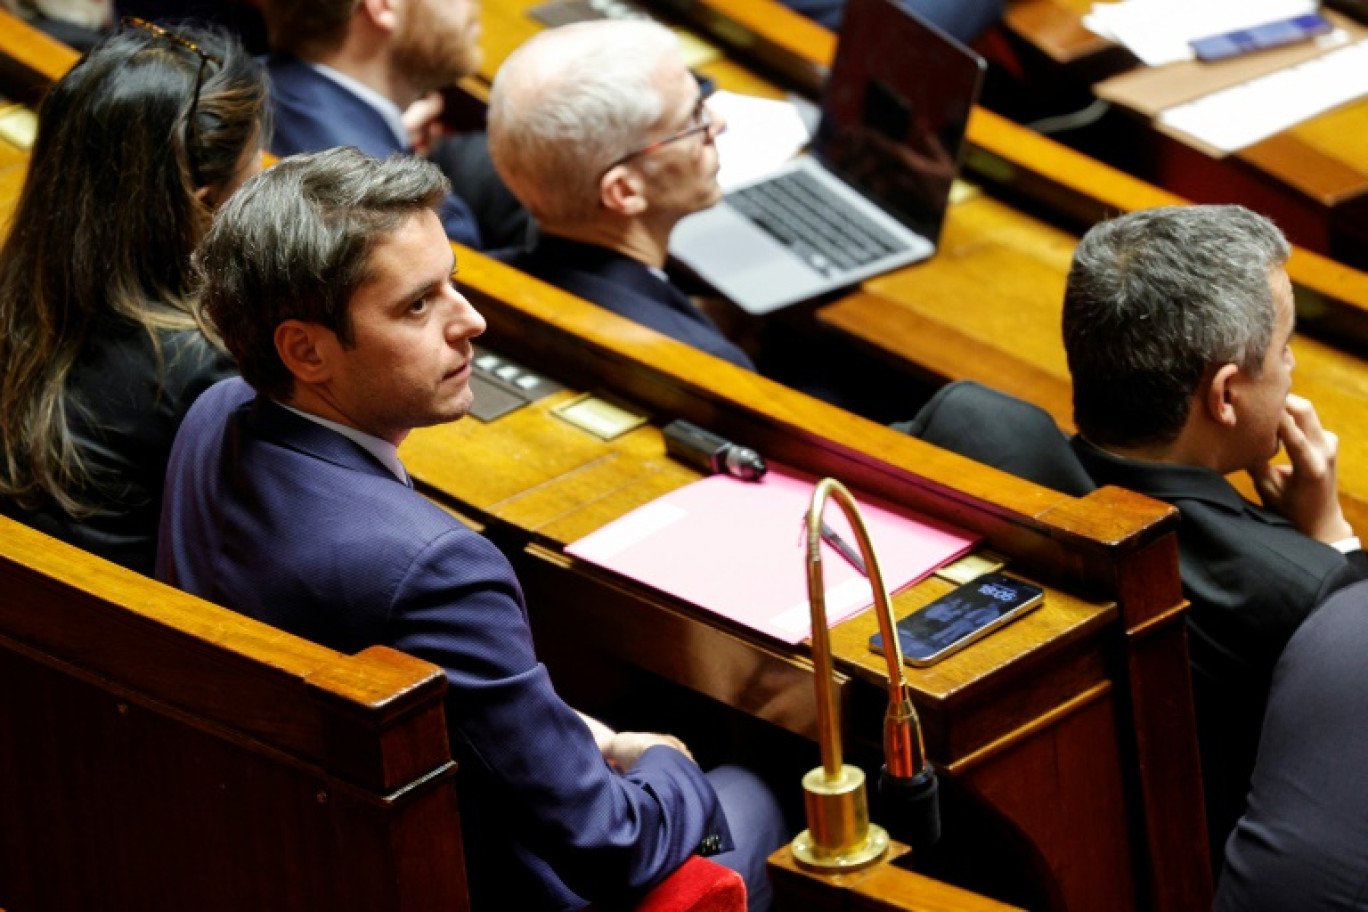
{"x":360,"y":73}
{"x":329,"y":278}
{"x":605,"y":136}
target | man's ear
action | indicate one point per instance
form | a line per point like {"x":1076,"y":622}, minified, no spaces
{"x":383,"y":13}
{"x":1220,"y":395}
{"x":303,"y":349}
{"x":622,"y":190}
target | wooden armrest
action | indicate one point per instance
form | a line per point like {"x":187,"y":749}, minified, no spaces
{"x":885,"y":887}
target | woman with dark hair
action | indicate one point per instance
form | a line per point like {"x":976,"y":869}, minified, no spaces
{"x":100,"y":349}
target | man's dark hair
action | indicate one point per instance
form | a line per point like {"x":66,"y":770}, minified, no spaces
{"x":1155,"y":300}
{"x":295,"y":243}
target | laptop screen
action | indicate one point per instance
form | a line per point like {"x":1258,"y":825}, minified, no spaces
{"x":895,"y":110}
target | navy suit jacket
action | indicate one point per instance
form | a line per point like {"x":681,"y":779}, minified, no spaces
{"x":313,"y":113}
{"x":287,"y":521}
{"x":627,"y":288}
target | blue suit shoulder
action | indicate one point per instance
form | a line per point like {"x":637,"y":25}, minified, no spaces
{"x":627,"y":288}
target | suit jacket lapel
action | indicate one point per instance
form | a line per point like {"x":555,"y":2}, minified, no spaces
{"x":272,"y":422}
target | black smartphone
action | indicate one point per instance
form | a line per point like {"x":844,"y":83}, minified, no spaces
{"x":961,"y":616}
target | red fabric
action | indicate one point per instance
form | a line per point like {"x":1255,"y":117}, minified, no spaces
{"x":699,"y":885}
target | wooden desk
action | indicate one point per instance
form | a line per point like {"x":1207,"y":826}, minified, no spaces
{"x":1312,"y":177}
{"x":1047,"y":701}
{"x":999,"y":275}
{"x":1005,"y":158}
{"x":528,"y":323}
{"x":987,"y":307}
{"x":1073,"y":727}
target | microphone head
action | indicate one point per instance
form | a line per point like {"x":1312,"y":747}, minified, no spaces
{"x":744,"y":463}
{"x":913,"y":806}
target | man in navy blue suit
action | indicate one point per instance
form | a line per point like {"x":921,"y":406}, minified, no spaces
{"x":361,"y":73}
{"x":603,"y":133}
{"x":329,"y":278}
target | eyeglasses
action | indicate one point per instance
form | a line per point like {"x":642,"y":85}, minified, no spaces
{"x":205,"y":58}
{"x":700,"y":121}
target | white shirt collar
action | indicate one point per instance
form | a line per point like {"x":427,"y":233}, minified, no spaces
{"x":382,"y":450}
{"x":383,"y":106}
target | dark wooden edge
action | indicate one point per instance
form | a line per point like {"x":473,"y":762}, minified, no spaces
{"x":883,"y":887}
{"x":374,"y":720}
{"x":29,"y":59}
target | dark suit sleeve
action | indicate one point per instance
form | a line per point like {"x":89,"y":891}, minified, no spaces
{"x":1303,"y":841}
{"x":1353,"y":570}
{"x":460,"y":607}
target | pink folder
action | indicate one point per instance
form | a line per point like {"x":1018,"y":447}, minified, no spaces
{"x":739,"y":548}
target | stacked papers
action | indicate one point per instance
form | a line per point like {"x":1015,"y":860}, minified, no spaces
{"x":1159,"y":31}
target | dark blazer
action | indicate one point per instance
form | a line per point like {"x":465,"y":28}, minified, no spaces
{"x":1303,"y":842}
{"x":1002,"y":431}
{"x":627,"y":288}
{"x":123,"y":415}
{"x":289,"y":522}
{"x":313,"y":113}
{"x":1252,"y":578}
{"x":963,"y":19}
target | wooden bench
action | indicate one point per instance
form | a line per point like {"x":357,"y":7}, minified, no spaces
{"x":1095,"y":682}
{"x":161,"y":752}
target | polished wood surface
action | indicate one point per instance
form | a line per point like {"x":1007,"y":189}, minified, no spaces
{"x":987,"y":305}
{"x":1313,"y":175}
{"x":1073,"y":725}
{"x":985,"y":722}
{"x":507,"y":25}
{"x":1071,"y":185}
{"x":163,"y":753}
{"x":28,"y":58}
{"x":1043,"y":695}
{"x":884,"y":888}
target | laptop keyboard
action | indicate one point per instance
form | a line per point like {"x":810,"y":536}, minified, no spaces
{"x":825,"y":231}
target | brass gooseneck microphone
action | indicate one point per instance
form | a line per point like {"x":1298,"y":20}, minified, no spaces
{"x":839,"y":836}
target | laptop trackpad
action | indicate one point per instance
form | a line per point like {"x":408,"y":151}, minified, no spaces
{"x":740,"y":259}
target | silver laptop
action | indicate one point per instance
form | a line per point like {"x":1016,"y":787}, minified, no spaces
{"x":872,"y":194}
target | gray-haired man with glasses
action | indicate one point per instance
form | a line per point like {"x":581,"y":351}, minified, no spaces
{"x":606,"y":137}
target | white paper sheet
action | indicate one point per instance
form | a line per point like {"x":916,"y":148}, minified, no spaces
{"x":1244,"y":114}
{"x":761,"y":135}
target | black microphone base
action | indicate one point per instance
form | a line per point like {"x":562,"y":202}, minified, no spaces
{"x":912,"y":807}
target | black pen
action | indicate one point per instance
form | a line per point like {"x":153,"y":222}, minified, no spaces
{"x":850,"y":554}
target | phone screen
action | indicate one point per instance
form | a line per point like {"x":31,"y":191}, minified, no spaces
{"x":961,"y":616}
